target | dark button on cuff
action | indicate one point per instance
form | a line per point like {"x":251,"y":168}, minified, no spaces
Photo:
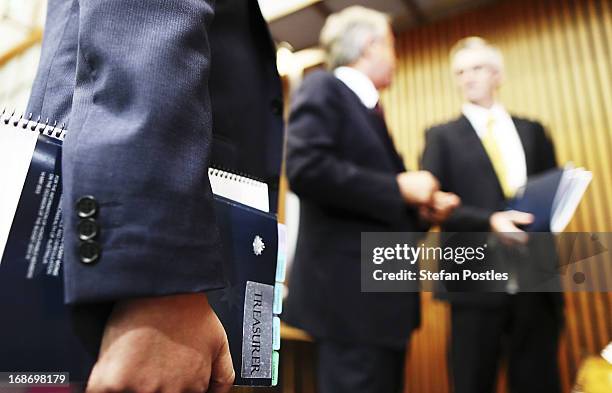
{"x":277,"y":106}
{"x":89,"y":252}
{"x":88,"y":229}
{"x":87,"y":207}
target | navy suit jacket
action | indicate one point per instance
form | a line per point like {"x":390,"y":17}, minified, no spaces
{"x":342,"y":164}
{"x":455,"y":155}
{"x":153,"y":91}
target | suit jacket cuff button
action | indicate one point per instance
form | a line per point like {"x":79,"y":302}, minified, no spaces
{"x":87,"y":206}
{"x":88,"y":229}
{"x":89,"y":252}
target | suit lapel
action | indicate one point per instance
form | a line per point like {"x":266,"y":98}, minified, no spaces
{"x":522,"y":127}
{"x":380,"y":134}
{"x":475,"y":149}
{"x":380,"y":126}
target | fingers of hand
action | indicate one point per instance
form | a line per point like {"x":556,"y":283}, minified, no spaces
{"x":520,"y":218}
{"x":440,"y":207}
{"x":222,"y":372}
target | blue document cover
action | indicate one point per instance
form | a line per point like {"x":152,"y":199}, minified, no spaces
{"x":553,"y":197}
{"x":37,"y":333}
{"x":538,"y":198}
{"x":245,"y":305}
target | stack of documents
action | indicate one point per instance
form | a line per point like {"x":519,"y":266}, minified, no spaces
{"x":552,"y":197}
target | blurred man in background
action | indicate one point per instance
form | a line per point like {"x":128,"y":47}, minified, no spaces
{"x":342,"y":163}
{"x":484,"y":156}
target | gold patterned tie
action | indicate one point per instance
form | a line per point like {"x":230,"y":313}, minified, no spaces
{"x":497,"y":160}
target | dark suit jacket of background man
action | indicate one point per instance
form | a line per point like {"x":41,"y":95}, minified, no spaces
{"x":140,"y":108}
{"x":455,"y":155}
{"x":342,"y":164}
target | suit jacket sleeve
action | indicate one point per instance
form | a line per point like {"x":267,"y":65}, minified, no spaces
{"x":315,"y":167}
{"x":138,"y":143}
{"x":464,"y":218}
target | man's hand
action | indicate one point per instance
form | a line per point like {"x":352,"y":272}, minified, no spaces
{"x":505,"y":225}
{"x":170,"y":344}
{"x":442,"y":205}
{"x":417,"y":187}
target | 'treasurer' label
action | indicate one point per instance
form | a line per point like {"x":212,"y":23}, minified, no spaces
{"x":257,"y":331}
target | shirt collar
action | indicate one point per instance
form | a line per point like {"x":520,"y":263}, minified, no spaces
{"x":479,"y":115}
{"x":360,"y":84}
{"x":478,"y":110}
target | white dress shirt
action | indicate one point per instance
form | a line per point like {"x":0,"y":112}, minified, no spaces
{"x":360,"y":84}
{"x":506,"y":137}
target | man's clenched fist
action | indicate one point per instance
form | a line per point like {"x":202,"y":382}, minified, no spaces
{"x":170,"y":344}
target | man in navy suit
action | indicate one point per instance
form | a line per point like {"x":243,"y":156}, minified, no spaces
{"x":148,"y":89}
{"x":342,"y":163}
{"x":484,"y":156}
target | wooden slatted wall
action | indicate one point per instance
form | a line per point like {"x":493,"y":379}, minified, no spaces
{"x":558,"y":57}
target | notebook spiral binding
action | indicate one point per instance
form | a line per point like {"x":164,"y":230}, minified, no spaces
{"x":27,"y":123}
{"x":238,"y":173}
{"x":214,"y":172}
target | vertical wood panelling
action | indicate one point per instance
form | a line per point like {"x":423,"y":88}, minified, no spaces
{"x":558,"y":56}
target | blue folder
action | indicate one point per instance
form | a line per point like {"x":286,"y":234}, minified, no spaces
{"x":537,"y":198}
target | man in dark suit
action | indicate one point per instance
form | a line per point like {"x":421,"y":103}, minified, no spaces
{"x":483,"y":157}
{"x":149,"y":90}
{"x":342,"y":163}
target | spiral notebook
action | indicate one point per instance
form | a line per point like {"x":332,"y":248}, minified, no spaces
{"x":38,"y":335}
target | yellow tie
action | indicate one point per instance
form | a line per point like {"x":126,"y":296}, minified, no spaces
{"x":492,"y":147}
